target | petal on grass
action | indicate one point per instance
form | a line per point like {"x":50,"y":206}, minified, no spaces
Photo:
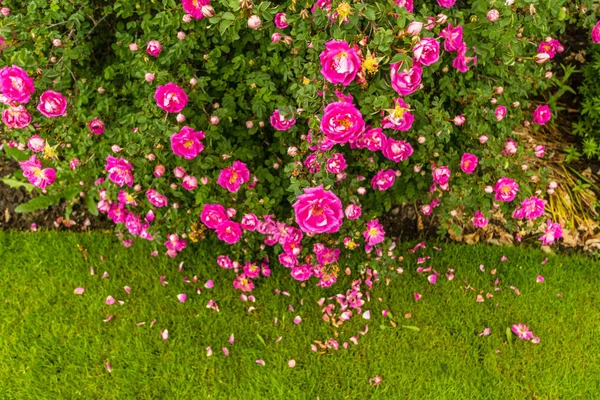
{"x":110,"y":300}
{"x":79,"y":290}
{"x":182,"y":297}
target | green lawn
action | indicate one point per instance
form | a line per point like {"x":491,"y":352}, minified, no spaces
{"x":54,"y":344}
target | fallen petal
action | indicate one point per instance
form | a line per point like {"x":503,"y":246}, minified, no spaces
{"x":109,"y":318}
{"x":182,"y":297}
{"x":127,"y":289}
{"x":105,"y":275}
{"x":164,"y":334}
{"x":225,"y":351}
{"x":209,"y":284}
{"x":110,"y":300}
{"x":417,"y":296}
{"x":108,"y":367}
{"x":79,"y":290}
{"x":297,"y":320}
{"x":367,"y":314}
{"x":260,"y":362}
{"x":292,"y":363}
{"x":540,"y":279}
{"x":208,"y":351}
{"x":231,"y":339}
{"x":432,"y":279}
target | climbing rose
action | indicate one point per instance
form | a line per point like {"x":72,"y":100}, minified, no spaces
{"x":38,"y":177}
{"x":479,"y":220}
{"x":542,"y":114}
{"x":16,"y":117}
{"x":212,"y":215}
{"x":336,"y":163}
{"x":553,"y":231}
{"x":374,"y":139}
{"x":229,"y":232}
{"x":441,"y":175}
{"x":342,"y":122}
{"x":157,"y":199}
{"x":353,"y":211}
{"x":399,"y":118}
{"x":187,"y":143}
{"x":249,"y":222}
{"x":530,"y":208}
{"x":279,"y":122}
{"x":281,"y":21}
{"x":194,"y":7}
{"x":374,"y":233}
{"x":52,"y":104}
{"x":446,"y":3}
{"x":318,"y":211}
{"x":468,"y":163}
{"x":506,"y":190}
{"x":397,"y":150}
{"x":340,"y":63}
{"x":427,"y":51}
{"x":596,"y":33}
{"x":233,"y":177}
{"x":15,"y":84}
{"x":405,"y":81}
{"x":96,"y":126}
{"x":383,"y":180}
{"x":119,"y":171}
{"x":171,"y":98}
{"x":153,"y":48}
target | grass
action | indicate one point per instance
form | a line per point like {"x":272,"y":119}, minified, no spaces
{"x":54,"y":344}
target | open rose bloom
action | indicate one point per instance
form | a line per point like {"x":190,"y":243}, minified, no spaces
{"x":318,"y":211}
{"x":52,"y":104}
{"x":340,"y":63}
{"x":37,"y":175}
{"x":171,"y":98}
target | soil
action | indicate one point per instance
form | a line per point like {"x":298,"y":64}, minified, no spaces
{"x":50,"y":218}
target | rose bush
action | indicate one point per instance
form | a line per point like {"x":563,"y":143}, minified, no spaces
{"x":284,"y":129}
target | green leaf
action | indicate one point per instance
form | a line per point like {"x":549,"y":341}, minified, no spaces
{"x":37,"y":203}
{"x":260,"y":338}
{"x":509,"y":336}
{"x":15,"y":184}
{"x":15,"y":153}
{"x":228,"y":16}
{"x":224,"y":25}
{"x":91,"y":204}
{"x":412,"y":328}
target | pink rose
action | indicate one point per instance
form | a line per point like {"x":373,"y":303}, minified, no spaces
{"x":171,"y":98}
{"x":340,"y":63}
{"x":399,"y":118}
{"x":36,"y":143}
{"x":551,"y":47}
{"x":229,"y":232}
{"x":119,"y":171}
{"x":500,"y":113}
{"x":596,"y":33}
{"x":406,"y":81}
{"x":414,"y":28}
{"x":493,"y":15}
{"x":15,"y":84}
{"x":397,"y":150}
{"x":407,"y":4}
{"x":479,"y":220}
{"x":553,"y":231}
{"x":233,"y":177}
{"x":318,"y":211}
{"x":530,"y":209}
{"x":506,"y":190}
{"x":542,"y":114}
{"x":187,"y":143}
{"x":441,"y":175}
{"x":52,"y":104}
{"x":383,"y":180}
{"x":468,"y":163}
{"x":427,"y":51}
{"x":446,"y":3}
{"x":374,"y":139}
{"x":374,"y":234}
{"x":37,"y":176}
{"x":153,"y":48}
{"x":353,"y":211}
{"x":16,"y":117}
{"x":194,"y":7}
{"x":453,"y":37}
{"x":336,"y":163}
{"x":279,"y":122}
{"x":249,"y":222}
{"x":281,"y":21}
{"x":213,"y":214}
{"x":189,"y":182}
{"x":342,"y":122}
{"x":96,"y":126}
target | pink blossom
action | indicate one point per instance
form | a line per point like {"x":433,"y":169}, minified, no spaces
{"x":229,"y":232}
{"x":171,"y":98}
{"x":397,"y":150}
{"x":407,"y":4}
{"x":254,"y":22}
{"x":374,"y":233}
{"x":233,"y":177}
{"x":500,"y":113}
{"x":510,"y":147}
{"x":596,"y":33}
{"x":551,"y":47}
{"x":38,"y":177}
{"x":441,"y":175}
{"x":318,"y":211}
{"x":194,"y":7}
{"x":213,"y":215}
{"x":539,"y":279}
{"x":182,"y":297}
{"x":15,"y":84}
{"x":383,"y":180}
{"x":342,"y":122}
{"x":339,"y":62}
{"x":468,"y":163}
{"x":539,"y":151}
{"x":506,"y":189}
{"x":479,"y":220}
{"x":522,"y":331}
{"x":16,"y":117}
{"x":79,"y":290}
{"x":405,"y":81}
{"x":301,"y":272}
{"x":280,"y":122}
{"x":156,"y":199}
{"x":399,"y":118}
{"x":243,"y":283}
{"x":96,"y":126}
{"x":353,"y":211}
{"x":52,"y":104}
{"x":414,"y":28}
{"x":249,"y":222}
{"x":531,"y":208}
{"x":224,"y":262}
{"x":446,"y":3}
{"x":153,"y":48}
{"x":552,"y":232}
{"x":36,"y":143}
{"x":280,"y":21}
{"x":493,"y":15}
{"x":336,"y":163}
{"x":187,"y":143}
{"x":542,"y":114}
{"x":453,"y":37}
{"x":374,"y":139}
{"x":189,"y":182}
{"x":427,"y":51}
{"x":119,"y":171}
{"x":461,"y":62}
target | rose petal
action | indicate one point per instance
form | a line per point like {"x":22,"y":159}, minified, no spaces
{"x":109,"y":318}
{"x":164,"y":334}
{"x":260,"y":362}
{"x":182,"y":297}
{"x":209,"y":284}
{"x":367,"y":314}
{"x":297,"y":320}
{"x":208,"y":351}
{"x":110,"y":300}
{"x":225,"y":351}
{"x":291,"y":363}
{"x":127,"y":289}
{"x":231,"y":339}
{"x":540,"y":279}
{"x":108,"y":367}
{"x":79,"y":290}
